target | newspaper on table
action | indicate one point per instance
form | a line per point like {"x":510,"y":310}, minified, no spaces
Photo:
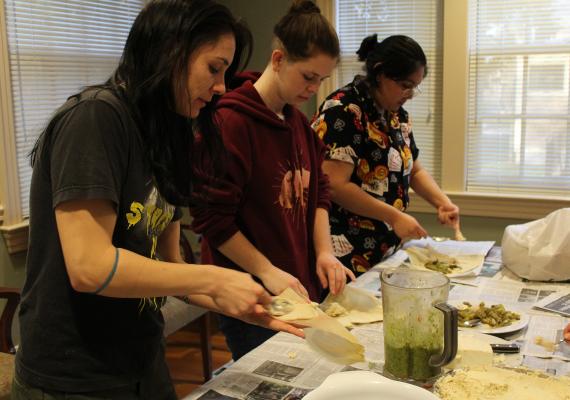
{"x":558,"y":302}
{"x":286,"y":368}
{"x":540,"y":340}
{"x":544,"y":340}
{"x":282,"y":368}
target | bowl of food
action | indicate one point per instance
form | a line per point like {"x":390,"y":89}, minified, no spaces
{"x":366,"y":385}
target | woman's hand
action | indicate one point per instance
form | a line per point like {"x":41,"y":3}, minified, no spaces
{"x":257,"y":315}
{"x":448,"y":214}
{"x":407,"y":227}
{"x":332,"y":273}
{"x":567,"y":333}
{"x":236,"y":293}
{"x":276,"y":281}
{"x":262,"y":318}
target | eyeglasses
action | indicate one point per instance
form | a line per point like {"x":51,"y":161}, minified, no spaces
{"x":408,"y":88}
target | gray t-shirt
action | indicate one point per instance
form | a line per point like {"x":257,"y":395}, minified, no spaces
{"x":78,"y":342}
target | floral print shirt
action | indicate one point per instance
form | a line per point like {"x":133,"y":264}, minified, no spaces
{"x":381,"y":148}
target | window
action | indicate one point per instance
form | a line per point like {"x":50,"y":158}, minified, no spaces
{"x":55,"y":47}
{"x":518,"y":137}
{"x":419,"y":19}
{"x":495,"y":112}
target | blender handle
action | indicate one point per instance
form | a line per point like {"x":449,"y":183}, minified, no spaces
{"x":450,"y":336}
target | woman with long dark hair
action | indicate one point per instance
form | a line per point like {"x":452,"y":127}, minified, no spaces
{"x":372,"y":157}
{"x":110,"y":173}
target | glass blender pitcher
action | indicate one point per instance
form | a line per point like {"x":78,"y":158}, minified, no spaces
{"x":420,"y":328}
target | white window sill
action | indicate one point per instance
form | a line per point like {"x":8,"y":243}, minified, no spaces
{"x":471,"y":204}
{"x":490,"y":205}
{"x":15,"y":236}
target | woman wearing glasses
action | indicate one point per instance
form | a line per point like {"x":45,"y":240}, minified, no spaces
{"x":372,"y":158}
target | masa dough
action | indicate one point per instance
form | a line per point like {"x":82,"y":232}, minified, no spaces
{"x":353,"y":306}
{"x":493,"y":383}
{"x":335,"y":310}
{"x":473,"y":350}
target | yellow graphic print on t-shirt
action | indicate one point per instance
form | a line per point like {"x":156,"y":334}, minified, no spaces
{"x":156,"y":214}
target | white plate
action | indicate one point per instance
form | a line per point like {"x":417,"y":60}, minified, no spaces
{"x":366,"y":385}
{"x":484,"y":328}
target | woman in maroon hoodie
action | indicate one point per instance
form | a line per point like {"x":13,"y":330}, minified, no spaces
{"x":269,"y":216}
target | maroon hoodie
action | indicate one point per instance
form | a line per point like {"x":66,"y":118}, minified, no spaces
{"x":273,"y":186}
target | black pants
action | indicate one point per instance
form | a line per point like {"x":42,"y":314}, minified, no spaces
{"x":242,"y":337}
{"x":156,"y":384}
{"x":21,"y":391}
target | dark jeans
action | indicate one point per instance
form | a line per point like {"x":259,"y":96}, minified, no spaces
{"x":242,"y":337}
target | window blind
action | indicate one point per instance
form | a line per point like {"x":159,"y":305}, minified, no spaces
{"x":56,"y":47}
{"x":519,"y":97}
{"x":421,"y":20}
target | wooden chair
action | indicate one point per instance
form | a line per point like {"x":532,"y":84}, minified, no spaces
{"x":7,"y":350}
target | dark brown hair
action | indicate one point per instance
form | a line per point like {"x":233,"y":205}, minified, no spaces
{"x":304,"y":31}
{"x":397,"y":57}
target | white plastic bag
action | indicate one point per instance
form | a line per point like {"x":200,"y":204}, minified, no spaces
{"x":539,"y":250}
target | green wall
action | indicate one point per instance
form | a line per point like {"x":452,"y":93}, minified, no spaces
{"x":473,"y":228}
{"x":12,"y":267}
{"x":12,"y":274}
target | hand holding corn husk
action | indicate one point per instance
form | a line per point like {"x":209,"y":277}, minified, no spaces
{"x":449,"y":215}
{"x":457,"y":233}
{"x":323,"y":333}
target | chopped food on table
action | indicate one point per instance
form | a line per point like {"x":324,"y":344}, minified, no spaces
{"x":494,"y":316}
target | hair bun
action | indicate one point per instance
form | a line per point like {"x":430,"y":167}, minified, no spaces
{"x":304,"y":7}
{"x":367,"y":45}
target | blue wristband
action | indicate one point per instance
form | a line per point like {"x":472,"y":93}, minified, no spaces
{"x":111,"y":274}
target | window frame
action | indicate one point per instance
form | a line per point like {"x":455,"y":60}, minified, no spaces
{"x":454,"y":129}
{"x":14,"y":224}
{"x":13,"y":227}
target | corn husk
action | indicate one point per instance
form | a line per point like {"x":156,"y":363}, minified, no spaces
{"x":323,"y":334}
{"x":333,"y":346}
{"x":302,"y":310}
